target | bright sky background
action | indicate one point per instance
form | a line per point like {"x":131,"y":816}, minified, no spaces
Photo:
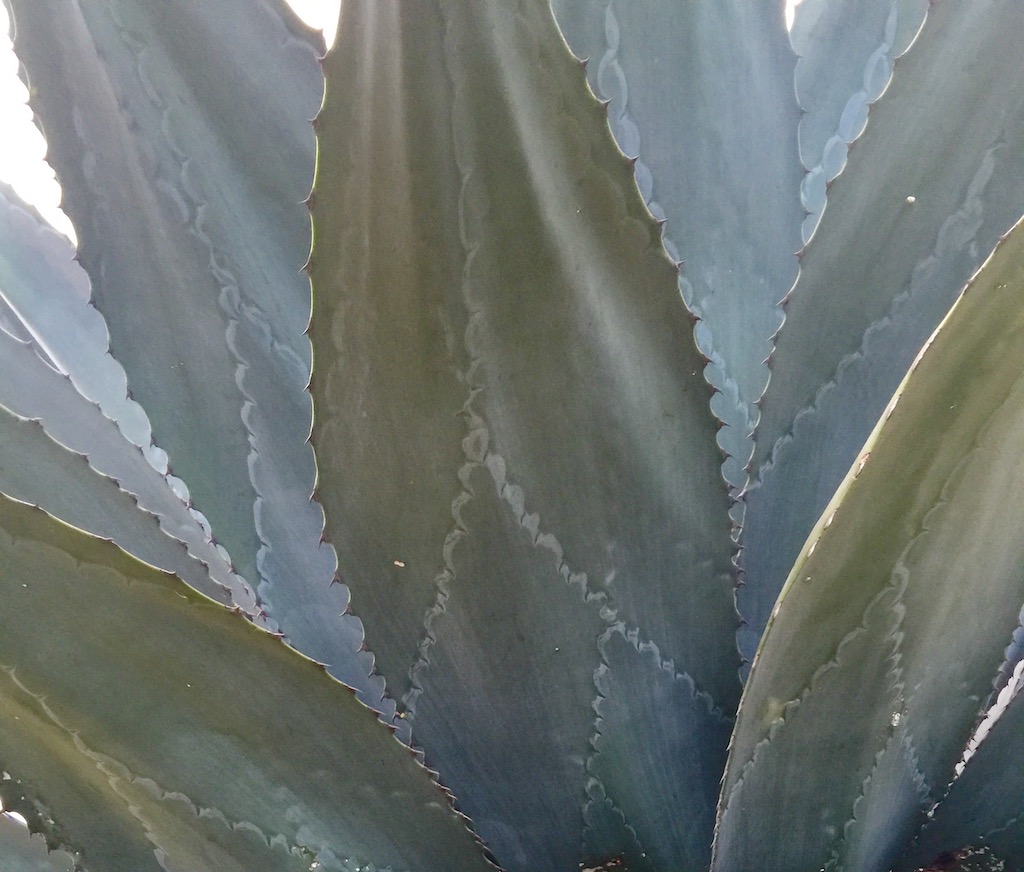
{"x":22,"y":148}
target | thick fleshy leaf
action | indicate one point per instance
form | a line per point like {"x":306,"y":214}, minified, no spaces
{"x":886,"y":813}
{"x":511,"y":421}
{"x":180,"y":132}
{"x":985,"y":805}
{"x":37,"y":470}
{"x":645,"y":759}
{"x":896,"y":614}
{"x":882,"y":271}
{"x":31,"y":389}
{"x":702,"y":95}
{"x":47,"y":294}
{"x":847,"y":50}
{"x":174,"y":732}
{"x":23,"y":852}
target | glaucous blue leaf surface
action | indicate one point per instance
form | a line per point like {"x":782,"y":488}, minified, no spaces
{"x":183,"y":143}
{"x":701,"y":95}
{"x":913,"y":215}
{"x":511,"y":421}
{"x":884,"y":644}
{"x":847,"y":53}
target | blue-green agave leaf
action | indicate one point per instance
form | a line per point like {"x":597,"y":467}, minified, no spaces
{"x":647,"y":716}
{"x":984,"y":804}
{"x":181,"y":135}
{"x":511,"y":421}
{"x":894,"y":618}
{"x":702,"y":96}
{"x":847,"y":53}
{"x":177,"y":733}
{"x":24,"y":852}
{"x":138,"y":242}
{"x":855,"y":320}
{"x":46,"y":294}
{"x":31,"y":389}
{"x":35,"y":469}
{"x":887,"y":812}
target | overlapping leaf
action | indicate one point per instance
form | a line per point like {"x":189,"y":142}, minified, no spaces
{"x":847,"y":52}
{"x":32,"y":390}
{"x":909,"y":220}
{"x":511,"y":419}
{"x":702,"y":95}
{"x":983,"y":806}
{"x":47,"y":296}
{"x":212,"y":746}
{"x":180,"y":133}
{"x":891,"y":627}
{"x":61,"y":376}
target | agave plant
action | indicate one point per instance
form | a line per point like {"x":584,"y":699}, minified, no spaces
{"x":639,"y":549}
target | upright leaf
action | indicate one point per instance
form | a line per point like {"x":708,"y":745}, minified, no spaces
{"x":511,"y":422}
{"x":847,"y":51}
{"x":885,"y":641}
{"x":909,"y":220}
{"x":702,"y":96}
{"x":180,"y":132}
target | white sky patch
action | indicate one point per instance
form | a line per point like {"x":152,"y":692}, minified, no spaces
{"x":21,"y":144}
{"x":790,"y":12}
{"x":319,"y":13}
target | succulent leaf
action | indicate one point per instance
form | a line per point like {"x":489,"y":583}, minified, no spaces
{"x":882,"y":272}
{"x":184,"y":147}
{"x":847,"y":52}
{"x":33,"y":390}
{"x":886,"y":814}
{"x":917,"y":563}
{"x":647,"y":754}
{"x":511,"y":420}
{"x":174,"y":750}
{"x":983,"y":805}
{"x":47,"y":295}
{"x":24,"y":852}
{"x":37,"y":470}
{"x":702,"y":96}
{"x":522,"y":398}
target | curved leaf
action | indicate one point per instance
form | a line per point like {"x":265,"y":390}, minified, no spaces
{"x":511,"y":421}
{"x":180,"y":133}
{"x":703,"y":96}
{"x":179,"y":731}
{"x":47,"y":293}
{"x":24,"y":852}
{"x":37,"y":470}
{"x":984,"y":804}
{"x":894,"y":618}
{"x":32,"y":390}
{"x":883,"y":271}
{"x":847,"y":52}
